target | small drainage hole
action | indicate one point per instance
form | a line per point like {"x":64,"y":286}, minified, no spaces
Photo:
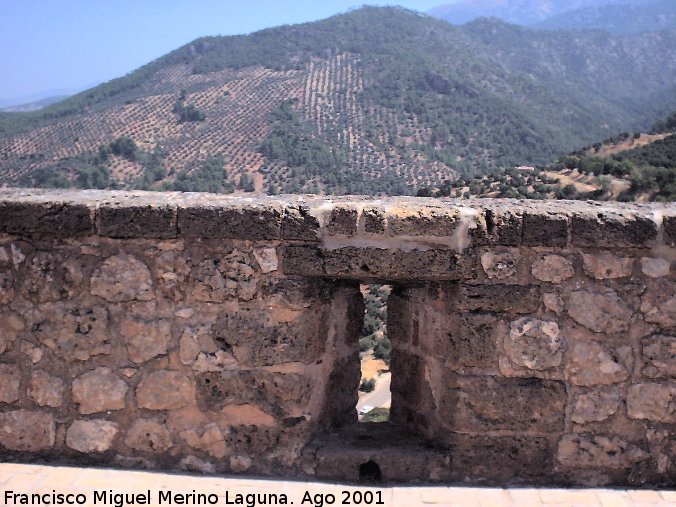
{"x":369,"y":472}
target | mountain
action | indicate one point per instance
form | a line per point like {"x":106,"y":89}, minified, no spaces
{"x":378,"y":100}
{"x":34,"y":105}
{"x":616,"y":19}
{"x":520,"y":12}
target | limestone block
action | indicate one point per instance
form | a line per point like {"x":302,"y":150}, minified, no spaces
{"x":607,"y":266}
{"x":500,"y":265}
{"x":147,"y":435}
{"x":143,"y":221}
{"x":223,"y":220}
{"x":26,"y":430}
{"x":656,"y":402}
{"x":655,"y":267}
{"x":52,"y":219}
{"x":598,"y":451}
{"x":468,"y":341}
{"x":51,"y":277}
{"x":73,"y":333}
{"x":545,"y":228}
{"x":505,"y":458}
{"x":266,"y":259}
{"x":99,"y":390}
{"x":553,"y":302}
{"x":342,"y":221}
{"x":165,"y":390}
{"x":145,"y":339}
{"x":276,"y":393}
{"x":91,"y":435}
{"x":34,"y":353}
{"x":534,"y":344}
{"x":500,"y":298}
{"x":274,"y":335}
{"x":658,"y":304}
{"x":591,"y":364}
{"x":10,"y":380}
{"x":208,"y":439}
{"x":230,"y":277}
{"x":188,"y":347}
{"x":478,"y":404}
{"x":553,"y":269}
{"x":603,"y":312}
{"x":122,"y":278}
{"x":610,"y":228}
{"x":659,"y":356}
{"x":11,"y":325}
{"x":594,"y":406}
{"x":45,"y":389}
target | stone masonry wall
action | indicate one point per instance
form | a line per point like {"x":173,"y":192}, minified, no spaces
{"x":532,"y":342}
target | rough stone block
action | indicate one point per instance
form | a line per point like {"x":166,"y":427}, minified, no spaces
{"x":498,"y":298}
{"x":374,"y":220}
{"x":602,"y":312}
{"x":471,"y":342}
{"x":658,"y":304}
{"x":302,"y":260}
{"x":45,"y":220}
{"x":274,"y":336}
{"x":165,"y":390}
{"x":61,"y":330}
{"x":255,"y":222}
{"x":652,"y":401}
{"x":342,"y":221}
{"x":424,"y":220}
{"x":100,"y":390}
{"x":122,"y":278}
{"x":298,"y":224}
{"x":145,"y":340}
{"x":500,"y":460}
{"x":91,"y":436}
{"x":278,"y":394}
{"x":659,"y":356}
{"x":590,"y":363}
{"x":500,"y":265}
{"x":10,"y":380}
{"x":534,"y":344}
{"x":603,"y":229}
{"x":545,"y":229}
{"x":480,"y":404}
{"x":123,"y":221}
{"x":595,"y":406}
{"x":147,"y":435}
{"x":553,"y":269}
{"x":502,"y":226}
{"x":655,"y":267}
{"x":27,"y":430}
{"x":598,"y":451}
{"x":45,"y":389}
{"x":51,"y":276}
{"x":669,"y":224}
{"x":607,"y":266}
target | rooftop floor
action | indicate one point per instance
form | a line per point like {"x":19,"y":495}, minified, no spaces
{"x":41,"y":479}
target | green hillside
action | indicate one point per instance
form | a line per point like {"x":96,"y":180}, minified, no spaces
{"x":378,"y":100}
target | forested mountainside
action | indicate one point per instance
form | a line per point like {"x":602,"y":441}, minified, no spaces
{"x":377,"y":100}
{"x":627,"y":167}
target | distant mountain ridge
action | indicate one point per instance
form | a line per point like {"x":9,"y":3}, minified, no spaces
{"x":519,"y":12}
{"x":622,"y":19}
{"x":378,"y":100}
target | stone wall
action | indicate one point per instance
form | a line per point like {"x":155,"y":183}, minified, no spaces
{"x":533,"y":342}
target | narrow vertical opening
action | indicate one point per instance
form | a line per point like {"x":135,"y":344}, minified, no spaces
{"x":374,"y":353}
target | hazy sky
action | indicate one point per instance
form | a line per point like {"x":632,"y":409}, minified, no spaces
{"x":68,"y":44}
